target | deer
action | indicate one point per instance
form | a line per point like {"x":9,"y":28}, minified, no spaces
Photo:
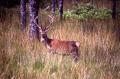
{"x":57,"y":46}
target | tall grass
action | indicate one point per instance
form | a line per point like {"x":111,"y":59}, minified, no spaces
{"x":24,"y":59}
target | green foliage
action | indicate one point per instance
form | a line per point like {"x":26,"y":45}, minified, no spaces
{"x":82,"y":12}
{"x":102,"y":13}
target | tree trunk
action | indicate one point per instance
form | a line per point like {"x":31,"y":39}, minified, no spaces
{"x":34,"y":8}
{"x":61,"y":9}
{"x":114,"y":9}
{"x":53,"y":6}
{"x":23,"y":14}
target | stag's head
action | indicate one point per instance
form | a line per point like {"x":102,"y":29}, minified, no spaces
{"x":43,"y":30}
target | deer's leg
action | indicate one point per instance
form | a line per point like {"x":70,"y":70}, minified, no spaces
{"x":75,"y":54}
{"x":52,"y":51}
{"x":49,"y":50}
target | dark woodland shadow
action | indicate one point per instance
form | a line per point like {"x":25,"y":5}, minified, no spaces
{"x":9,"y":3}
{"x":2,"y":14}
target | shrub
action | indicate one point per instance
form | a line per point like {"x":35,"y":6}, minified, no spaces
{"x":82,"y":12}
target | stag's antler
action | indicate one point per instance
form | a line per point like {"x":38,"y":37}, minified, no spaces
{"x":40,"y":28}
{"x":51,"y":19}
{"x":47,"y":28}
{"x":46,"y":8}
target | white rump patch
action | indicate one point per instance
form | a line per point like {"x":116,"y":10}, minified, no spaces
{"x":77,"y":44}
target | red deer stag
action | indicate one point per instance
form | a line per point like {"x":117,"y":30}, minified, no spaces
{"x":58,"y":46}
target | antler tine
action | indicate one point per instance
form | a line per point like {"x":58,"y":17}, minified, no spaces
{"x":46,"y":8}
{"x":37,"y":24}
{"x":51,"y":21}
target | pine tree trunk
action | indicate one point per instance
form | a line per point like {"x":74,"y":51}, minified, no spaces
{"x":23,"y":14}
{"x":61,"y":9}
{"x":53,"y":6}
{"x":34,"y":8}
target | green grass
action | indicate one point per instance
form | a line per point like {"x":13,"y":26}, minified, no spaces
{"x":24,"y":59}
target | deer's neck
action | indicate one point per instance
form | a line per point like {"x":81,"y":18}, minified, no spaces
{"x":47,"y":41}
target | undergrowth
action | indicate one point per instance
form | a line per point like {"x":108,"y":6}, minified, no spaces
{"x":88,"y":11}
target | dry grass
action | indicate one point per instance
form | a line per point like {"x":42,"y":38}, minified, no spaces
{"x":24,"y":59}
